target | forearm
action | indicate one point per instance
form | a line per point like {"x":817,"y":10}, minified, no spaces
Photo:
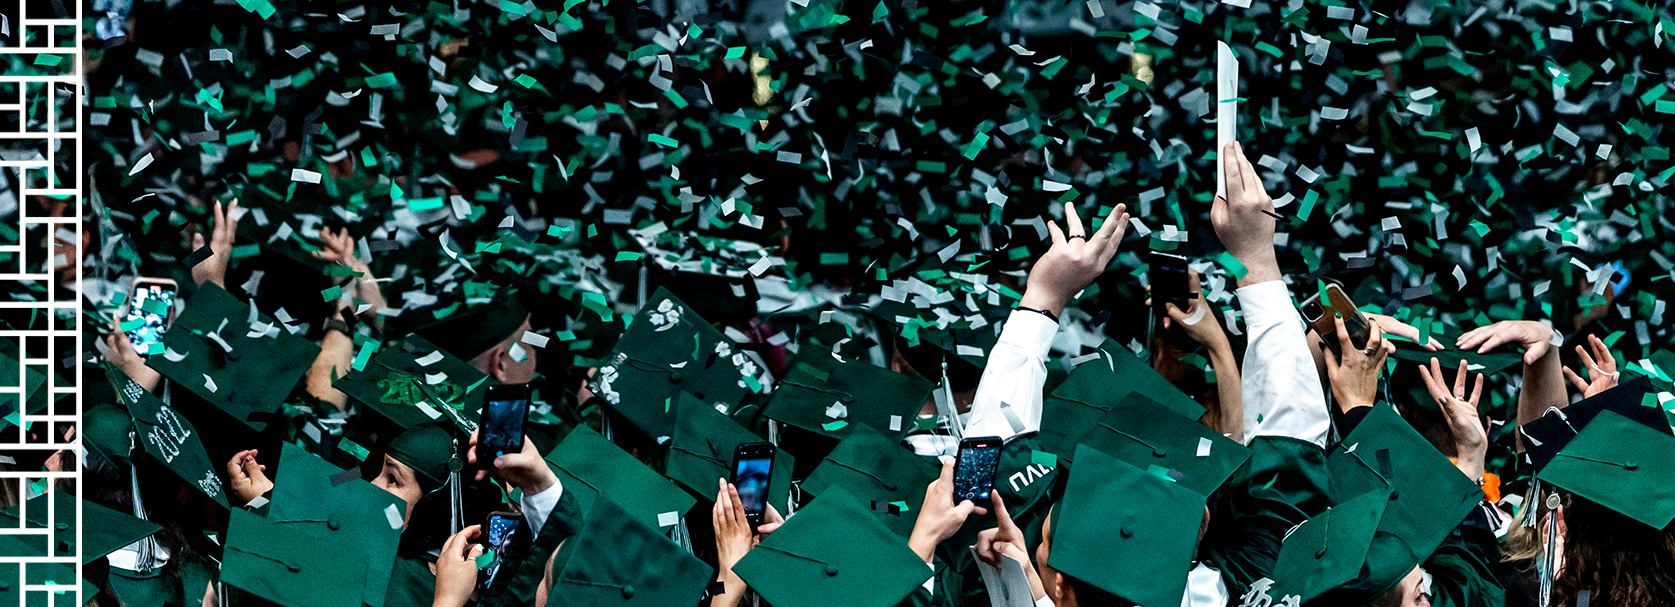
{"x":368,"y":291}
{"x":142,"y":374}
{"x":1232,"y":422}
{"x":923,"y":546}
{"x":1543,"y":389}
{"x":1013,"y":378}
{"x":1278,"y":383}
{"x":734,"y":587}
{"x":337,"y":352}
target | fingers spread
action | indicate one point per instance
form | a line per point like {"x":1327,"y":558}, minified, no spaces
{"x":1054,"y":233}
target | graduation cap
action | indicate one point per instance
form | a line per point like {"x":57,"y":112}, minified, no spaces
{"x":711,"y":274}
{"x":469,"y":327}
{"x":1124,"y":530}
{"x":219,"y":346}
{"x":1148,"y":435}
{"x":168,"y":437}
{"x":429,"y":450}
{"x":701,"y":452}
{"x":413,"y":382}
{"x":666,"y":351}
{"x":1328,"y":550}
{"x":101,"y":532}
{"x":832,"y":552}
{"x":827,"y":396}
{"x":342,"y":514}
{"x":1621,"y":464}
{"x":1545,"y":436}
{"x":108,"y":433}
{"x":27,"y":378}
{"x":877,"y":470}
{"x":284,"y":563}
{"x":616,"y":559}
{"x":590,"y":467}
{"x":1097,"y":386}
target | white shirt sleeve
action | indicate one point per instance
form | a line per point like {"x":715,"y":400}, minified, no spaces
{"x":1045,"y":601}
{"x":1279,"y":384}
{"x":537,"y":507}
{"x":1014,"y":376}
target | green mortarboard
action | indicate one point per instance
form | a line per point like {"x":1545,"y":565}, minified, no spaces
{"x":1486,"y":364}
{"x":1142,"y":432}
{"x":1125,"y":531}
{"x":397,"y":382}
{"x":617,"y":560}
{"x":1428,"y":497}
{"x":1327,"y":550}
{"x":701,"y":452}
{"x":1663,"y":363}
{"x":28,"y":377}
{"x":168,"y":437}
{"x":1545,"y":436}
{"x":826,"y":396}
{"x":426,"y":449}
{"x":102,"y":532}
{"x":108,"y":432}
{"x":879,"y":472}
{"x":668,"y":350}
{"x":200,"y":363}
{"x":1622,"y":465}
{"x":467,"y":330}
{"x":832,"y":552}
{"x":286,"y":563}
{"x":1096,"y":386}
{"x":589,"y":465}
{"x":341,"y":515}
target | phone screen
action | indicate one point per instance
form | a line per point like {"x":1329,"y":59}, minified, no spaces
{"x":504,"y":410}
{"x":1168,"y":278}
{"x":974,"y":473}
{"x":499,"y":540}
{"x":752,"y":467}
{"x":150,"y":306}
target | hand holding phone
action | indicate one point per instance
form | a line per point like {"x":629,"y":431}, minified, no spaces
{"x":974,"y":470}
{"x":505,"y":407}
{"x":1168,"y":278}
{"x":497,"y":533}
{"x":753,"y":466}
{"x":149,"y":313}
{"x":1321,"y":316}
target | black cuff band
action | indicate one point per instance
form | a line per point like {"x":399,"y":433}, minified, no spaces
{"x":1049,"y":315}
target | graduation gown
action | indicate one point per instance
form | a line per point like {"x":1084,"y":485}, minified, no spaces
{"x":1461,"y":572}
{"x":411,"y":584}
{"x":1284,"y":482}
{"x":526,"y":559}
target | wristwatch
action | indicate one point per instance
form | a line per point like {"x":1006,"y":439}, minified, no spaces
{"x":335,"y":324}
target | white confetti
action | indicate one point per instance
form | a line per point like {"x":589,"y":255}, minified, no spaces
{"x":305,"y":176}
{"x":392,"y":514}
{"x":533,"y":339}
{"x":429,"y":359}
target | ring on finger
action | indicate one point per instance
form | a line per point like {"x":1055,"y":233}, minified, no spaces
{"x":1081,"y":236}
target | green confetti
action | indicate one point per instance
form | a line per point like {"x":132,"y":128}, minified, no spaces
{"x":834,"y":426}
{"x":735,"y":52}
{"x":1043,"y":459}
{"x":331,"y":294}
{"x":662,"y":140}
{"x":1232,"y":265}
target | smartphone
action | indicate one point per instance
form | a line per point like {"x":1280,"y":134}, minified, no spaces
{"x":505,"y":407}
{"x":974,"y":470}
{"x":1167,"y":275}
{"x":753,"y":465}
{"x":150,"y":312}
{"x":497,"y":531}
{"x":1321,"y":317}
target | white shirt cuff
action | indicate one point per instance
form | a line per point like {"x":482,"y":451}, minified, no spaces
{"x":1267,"y":303}
{"x":537,"y":507}
{"x":1045,"y":601}
{"x":1031,"y":332}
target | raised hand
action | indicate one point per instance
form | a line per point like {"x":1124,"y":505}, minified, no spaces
{"x":1532,"y":336}
{"x":246,"y":479}
{"x":1075,"y":259}
{"x":1602,"y":375}
{"x":1007,"y":540}
{"x":1244,"y":220}
{"x":525,"y":469}
{"x":1355,"y":377}
{"x":214,"y":268}
{"x":1471,"y":441}
{"x":939,"y":517}
{"x":1204,"y":327}
{"x":339,"y":247}
{"x":1401,"y":329}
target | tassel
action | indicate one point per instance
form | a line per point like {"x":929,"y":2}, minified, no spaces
{"x":947,"y":407}
{"x":456,"y":497}
{"x":1549,"y":553}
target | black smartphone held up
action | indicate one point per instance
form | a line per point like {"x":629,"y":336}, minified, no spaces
{"x":150,"y":312}
{"x":753,"y":466}
{"x":1321,"y":317}
{"x":974,"y":470}
{"x":497,"y":538}
{"x":504,"y":409}
{"x":1167,"y":275}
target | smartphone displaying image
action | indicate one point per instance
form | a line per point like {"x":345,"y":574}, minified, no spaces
{"x":974,"y":471}
{"x":150,"y":311}
{"x":505,"y":408}
{"x":753,"y":465}
{"x":1322,"y":317}
{"x":497,"y":533}
{"x":1167,"y":275}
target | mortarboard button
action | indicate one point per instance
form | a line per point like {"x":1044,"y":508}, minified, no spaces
{"x":847,"y":398}
{"x":674,"y":377}
{"x":334,"y":524}
{"x":1127,"y":531}
{"x":293,"y":567}
{"x":1631,"y":465}
{"x":63,"y":526}
{"x":831,"y":570}
{"x":628,"y":591}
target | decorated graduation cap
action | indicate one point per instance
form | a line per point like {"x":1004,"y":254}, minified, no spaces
{"x":711,"y":274}
{"x":1098,"y":385}
{"x":1546,"y":436}
{"x":219,"y":345}
{"x":879,"y":472}
{"x":101,"y":532}
{"x":1427,"y":497}
{"x":341,"y":514}
{"x":413,"y":382}
{"x":1329,"y":550}
{"x":827,"y":396}
{"x":832,"y":552}
{"x":701,"y":452}
{"x":1124,"y":530}
{"x":1148,"y":435}
{"x":168,"y":437}
{"x":591,"y":467}
{"x":471,"y":326}
{"x":618,"y":560}
{"x":1620,"y":464}
{"x":668,"y":350}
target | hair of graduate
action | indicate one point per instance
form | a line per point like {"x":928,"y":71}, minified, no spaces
{"x":1388,"y":598}
{"x":1166,"y":360}
{"x":160,"y":490}
{"x":97,"y":573}
{"x":1621,"y":562}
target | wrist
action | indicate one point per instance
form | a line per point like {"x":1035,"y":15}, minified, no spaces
{"x":540,"y":483}
{"x":921,"y":545}
{"x":1047,"y":302}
